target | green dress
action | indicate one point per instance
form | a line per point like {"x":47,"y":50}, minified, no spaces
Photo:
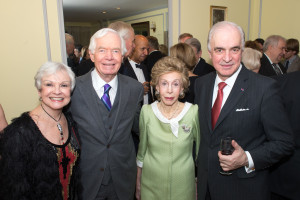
{"x":167,"y":163}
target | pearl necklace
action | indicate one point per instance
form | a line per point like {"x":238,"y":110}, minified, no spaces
{"x":58,"y":124}
{"x":173,"y":112}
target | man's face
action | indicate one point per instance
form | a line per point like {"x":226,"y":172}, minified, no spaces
{"x":70,"y":46}
{"x":289,"y":53}
{"x":197,"y":54}
{"x":107,"y":56}
{"x":141,"y":49}
{"x":129,"y":42}
{"x":276,"y":53}
{"x":226,"y":51}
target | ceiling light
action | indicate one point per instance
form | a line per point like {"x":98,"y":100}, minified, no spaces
{"x":103,"y":12}
{"x":118,"y":8}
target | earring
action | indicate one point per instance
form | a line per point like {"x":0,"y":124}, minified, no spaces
{"x":40,"y":99}
{"x":181,"y":94}
{"x":156,"y":92}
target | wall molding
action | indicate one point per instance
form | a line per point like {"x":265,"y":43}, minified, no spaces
{"x":46,"y":29}
{"x":62,"y":31}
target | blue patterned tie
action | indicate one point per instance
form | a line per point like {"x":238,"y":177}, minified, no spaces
{"x":105,"y":98}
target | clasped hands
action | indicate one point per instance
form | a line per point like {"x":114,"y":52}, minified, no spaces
{"x":236,"y":160}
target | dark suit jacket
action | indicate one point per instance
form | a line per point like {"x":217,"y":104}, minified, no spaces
{"x":151,"y":59}
{"x":103,"y":150}
{"x":262,"y":128}
{"x":285,"y":176}
{"x":203,"y":68}
{"x":85,"y":66}
{"x":127,"y":70}
{"x":266,"y":67}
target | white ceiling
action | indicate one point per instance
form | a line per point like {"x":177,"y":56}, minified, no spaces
{"x":90,"y":10}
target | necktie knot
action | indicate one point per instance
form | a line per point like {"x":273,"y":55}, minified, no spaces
{"x":221,"y":85}
{"x":107,"y":87}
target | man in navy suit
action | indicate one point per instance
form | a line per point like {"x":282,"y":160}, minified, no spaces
{"x":250,"y":112}
{"x":274,"y":51}
{"x":202,"y":67}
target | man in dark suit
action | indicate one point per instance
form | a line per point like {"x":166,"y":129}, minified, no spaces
{"x":201,"y":67}
{"x":154,"y":53}
{"x":249,"y":110}
{"x":285,"y":176}
{"x":85,"y":66}
{"x":134,"y":68}
{"x":70,"y":46}
{"x":106,"y":107}
{"x":274,"y":51}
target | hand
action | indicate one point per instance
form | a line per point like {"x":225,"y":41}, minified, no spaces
{"x":236,"y":160}
{"x":146,"y":87}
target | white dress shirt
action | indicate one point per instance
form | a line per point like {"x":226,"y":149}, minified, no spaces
{"x":226,"y":91}
{"x":140,"y":76}
{"x":98,"y":84}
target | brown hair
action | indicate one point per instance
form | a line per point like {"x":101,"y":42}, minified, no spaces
{"x":185,"y":53}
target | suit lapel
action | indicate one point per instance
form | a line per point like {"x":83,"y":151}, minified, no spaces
{"x":91,"y":99}
{"x":129,"y":70}
{"x":123,"y":94}
{"x":208,"y":101}
{"x":239,"y":88}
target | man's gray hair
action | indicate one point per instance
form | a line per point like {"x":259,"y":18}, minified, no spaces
{"x":194,"y":42}
{"x":221,"y":25}
{"x":101,"y":33}
{"x":272,"y":40}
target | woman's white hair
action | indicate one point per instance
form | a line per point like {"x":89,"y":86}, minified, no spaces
{"x":50,"y":68}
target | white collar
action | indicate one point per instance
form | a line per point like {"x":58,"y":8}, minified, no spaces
{"x":99,"y":83}
{"x":174,"y":121}
{"x":229,"y":81}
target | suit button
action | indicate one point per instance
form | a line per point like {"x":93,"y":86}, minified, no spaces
{"x":110,"y":127}
{"x":108,"y":146}
{"x":102,"y":169}
{"x":109,"y":115}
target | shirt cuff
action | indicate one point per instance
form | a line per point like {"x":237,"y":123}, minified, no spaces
{"x":139,"y":163}
{"x":250,"y":167}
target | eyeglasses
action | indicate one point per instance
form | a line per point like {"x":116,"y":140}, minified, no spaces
{"x":287,"y":50}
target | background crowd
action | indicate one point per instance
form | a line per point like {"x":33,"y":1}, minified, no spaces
{"x":140,"y":123}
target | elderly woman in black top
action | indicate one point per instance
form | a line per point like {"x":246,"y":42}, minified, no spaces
{"x":39,"y":151}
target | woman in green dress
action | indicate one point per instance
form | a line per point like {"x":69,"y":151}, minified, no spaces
{"x":168,"y":129}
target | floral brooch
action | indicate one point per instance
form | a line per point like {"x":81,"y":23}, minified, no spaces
{"x":186,"y":128}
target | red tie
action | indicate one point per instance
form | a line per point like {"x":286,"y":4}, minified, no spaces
{"x":215,"y":111}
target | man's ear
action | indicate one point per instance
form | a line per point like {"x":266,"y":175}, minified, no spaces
{"x":209,"y":54}
{"x":92,"y":56}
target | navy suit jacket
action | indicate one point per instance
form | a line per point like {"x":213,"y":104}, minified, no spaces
{"x":285,"y":176}
{"x":151,"y":59}
{"x":203,"y":68}
{"x":266,"y":67}
{"x":254,"y":116}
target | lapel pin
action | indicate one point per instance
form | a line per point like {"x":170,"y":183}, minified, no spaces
{"x":242,"y":89}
